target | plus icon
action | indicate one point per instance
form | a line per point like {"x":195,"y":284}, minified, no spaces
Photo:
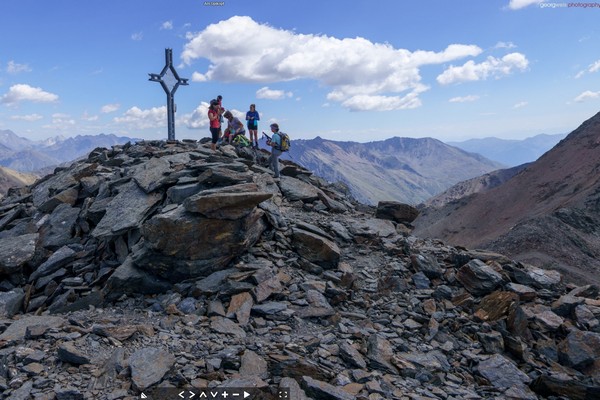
{"x":225,"y":394}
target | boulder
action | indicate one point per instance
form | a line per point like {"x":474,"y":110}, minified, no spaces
{"x":396,"y":211}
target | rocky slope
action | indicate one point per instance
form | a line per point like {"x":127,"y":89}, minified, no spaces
{"x":547,"y":215}
{"x":163,"y":268}
{"x":10,"y":178}
{"x":471,"y":186}
{"x":401,"y":169}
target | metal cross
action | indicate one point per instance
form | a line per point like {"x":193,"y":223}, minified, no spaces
{"x":169,"y":70}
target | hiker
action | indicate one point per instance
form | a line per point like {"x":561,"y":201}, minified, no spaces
{"x":215,"y":123}
{"x":252,"y":117}
{"x":234,"y":126}
{"x":275,"y":142}
{"x":221,"y":109}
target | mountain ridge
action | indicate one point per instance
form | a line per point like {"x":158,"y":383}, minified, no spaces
{"x":26,"y":155}
{"x":402,"y":169}
{"x":547,"y":214}
{"x":511,"y":152}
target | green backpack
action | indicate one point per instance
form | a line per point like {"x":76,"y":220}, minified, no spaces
{"x":285,"y":142}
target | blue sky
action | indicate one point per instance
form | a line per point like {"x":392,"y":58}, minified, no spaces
{"x":340,"y":69}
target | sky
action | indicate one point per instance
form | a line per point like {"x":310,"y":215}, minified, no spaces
{"x":348,"y":70}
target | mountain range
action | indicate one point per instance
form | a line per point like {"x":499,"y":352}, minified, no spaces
{"x":547,"y":214}
{"x":511,"y":152}
{"x":24,"y":155}
{"x":401,"y":169}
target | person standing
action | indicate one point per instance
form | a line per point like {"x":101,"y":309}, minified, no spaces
{"x":215,"y":123}
{"x":275,"y":143}
{"x":253,"y":117}
{"x":221,"y":108}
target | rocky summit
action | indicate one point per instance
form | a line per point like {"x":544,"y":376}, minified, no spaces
{"x":161,"y":269}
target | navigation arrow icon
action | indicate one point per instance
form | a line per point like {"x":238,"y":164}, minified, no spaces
{"x":246,"y":394}
{"x":181,"y":394}
{"x":192,"y":394}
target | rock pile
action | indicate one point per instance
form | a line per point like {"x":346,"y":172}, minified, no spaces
{"x":162,"y":267}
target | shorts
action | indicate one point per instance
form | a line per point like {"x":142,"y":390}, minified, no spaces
{"x":252,"y":127}
{"x":215,"y":134}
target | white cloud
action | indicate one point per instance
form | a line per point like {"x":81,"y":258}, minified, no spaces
{"x":464,"y":99}
{"x":587,"y":95}
{"x":381,"y":103}
{"x":198,"y":118}
{"x":266,"y":93}
{"x":241,"y":50}
{"x":491,"y":67}
{"x":520,"y":104}
{"x":62,"y":119}
{"x":23,"y":92}
{"x":14,"y":68}
{"x":29,"y":117}
{"x":505,"y":45}
{"x":137,"y":36}
{"x":167,"y":25}
{"x":109,"y":108}
{"x":518,"y":4}
{"x":88,"y":117}
{"x":594,"y":67}
{"x":137,"y":118}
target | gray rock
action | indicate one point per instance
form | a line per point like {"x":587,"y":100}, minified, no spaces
{"x":127,"y":210}
{"x":566,"y":304}
{"x":579,"y":349}
{"x":318,"y":306}
{"x":67,"y":196}
{"x":59,"y":228}
{"x":379,"y":353}
{"x":253,"y":364}
{"x":17,"y":329}
{"x":352,"y":356}
{"x":542,"y":278}
{"x":151,"y":175}
{"x":212,"y":282}
{"x":225,"y":205}
{"x":15,"y":252}
{"x":226,"y":326}
{"x":178,"y":193}
{"x":478,"y":278}
{"x":427,"y":264}
{"x":323,"y":390}
{"x":203,"y":245}
{"x":67,"y":352}
{"x":292,"y":388}
{"x":56,"y":261}
{"x":502,"y":373}
{"x":149,"y":366}
{"x":128,"y":279}
{"x":11,"y":303}
{"x":296,"y":190}
{"x":315,"y":248}
{"x":396,"y":211}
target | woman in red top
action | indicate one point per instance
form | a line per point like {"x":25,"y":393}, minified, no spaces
{"x":215,"y":123}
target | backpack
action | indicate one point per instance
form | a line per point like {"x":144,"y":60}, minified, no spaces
{"x":285,"y":141}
